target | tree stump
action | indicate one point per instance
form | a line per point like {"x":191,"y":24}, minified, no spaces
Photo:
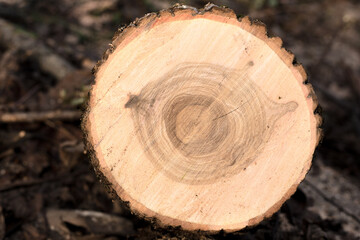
{"x":200,"y":120}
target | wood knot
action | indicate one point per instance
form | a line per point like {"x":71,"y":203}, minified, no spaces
{"x":133,"y":100}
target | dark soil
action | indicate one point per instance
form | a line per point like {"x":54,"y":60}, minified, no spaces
{"x":48,"y":189}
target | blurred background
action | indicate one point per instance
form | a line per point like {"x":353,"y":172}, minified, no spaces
{"x":48,"y":189}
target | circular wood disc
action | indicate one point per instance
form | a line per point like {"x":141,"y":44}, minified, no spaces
{"x":200,"y":120}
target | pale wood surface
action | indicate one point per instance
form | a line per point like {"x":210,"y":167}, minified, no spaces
{"x":200,"y":120}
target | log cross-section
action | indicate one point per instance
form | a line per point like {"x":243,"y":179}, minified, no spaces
{"x":200,"y":120}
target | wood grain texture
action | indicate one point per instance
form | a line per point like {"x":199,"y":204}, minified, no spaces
{"x":198,"y":119}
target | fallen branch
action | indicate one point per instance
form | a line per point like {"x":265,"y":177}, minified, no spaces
{"x":71,"y":115}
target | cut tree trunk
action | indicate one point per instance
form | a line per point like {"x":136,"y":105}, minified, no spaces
{"x":199,"y":120}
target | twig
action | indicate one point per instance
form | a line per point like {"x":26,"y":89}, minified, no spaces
{"x":40,"y":116}
{"x":58,"y":126}
{"x":331,"y":201}
{"x":28,"y":95}
{"x":13,"y":36}
{"x":7,"y":153}
{"x":30,"y":183}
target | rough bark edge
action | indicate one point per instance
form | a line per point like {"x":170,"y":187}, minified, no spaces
{"x":258,"y":29}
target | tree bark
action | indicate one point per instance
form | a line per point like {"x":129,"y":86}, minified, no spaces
{"x":198,"y":119}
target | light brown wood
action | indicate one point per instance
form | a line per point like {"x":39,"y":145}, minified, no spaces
{"x":198,"y":119}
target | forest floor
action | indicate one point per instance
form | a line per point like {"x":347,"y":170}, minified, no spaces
{"x":48,"y":189}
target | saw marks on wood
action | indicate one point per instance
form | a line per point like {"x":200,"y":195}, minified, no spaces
{"x":201,"y":122}
{"x":198,"y":119}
